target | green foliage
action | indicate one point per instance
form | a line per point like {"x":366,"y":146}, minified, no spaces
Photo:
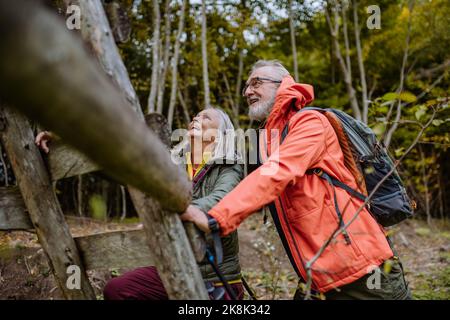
{"x":97,"y":207}
{"x":423,"y":232}
{"x":435,"y":286}
{"x":260,"y":30}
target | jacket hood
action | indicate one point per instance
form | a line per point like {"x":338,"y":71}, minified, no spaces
{"x":290,"y":98}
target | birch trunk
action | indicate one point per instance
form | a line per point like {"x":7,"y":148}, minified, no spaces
{"x":166,"y":56}
{"x":362,"y":72}
{"x":155,"y":58}
{"x":293,"y":43}
{"x":205,"y":57}
{"x":176,"y":54}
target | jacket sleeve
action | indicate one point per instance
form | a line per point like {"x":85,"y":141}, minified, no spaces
{"x":228,"y":179}
{"x":302,"y":149}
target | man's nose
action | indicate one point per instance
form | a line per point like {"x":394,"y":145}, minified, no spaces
{"x":248,"y":91}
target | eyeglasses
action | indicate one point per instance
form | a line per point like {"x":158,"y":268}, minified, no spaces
{"x":256,"y":82}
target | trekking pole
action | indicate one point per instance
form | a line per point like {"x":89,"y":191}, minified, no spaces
{"x":249,"y":290}
{"x":227,"y":286}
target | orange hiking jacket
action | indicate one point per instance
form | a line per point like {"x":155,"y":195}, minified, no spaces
{"x":305,"y":213}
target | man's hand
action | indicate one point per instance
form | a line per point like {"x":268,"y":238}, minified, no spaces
{"x":42,"y":140}
{"x":196,"y":216}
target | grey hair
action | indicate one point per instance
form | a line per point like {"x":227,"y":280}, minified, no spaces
{"x":224,"y":149}
{"x":225,"y":144}
{"x":280,"y":70}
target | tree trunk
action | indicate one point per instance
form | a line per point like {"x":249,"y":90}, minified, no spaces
{"x":293,"y":43}
{"x":165,"y":66}
{"x":42,"y":204}
{"x":123,"y":196}
{"x":183,"y":104}
{"x":425,"y":180}
{"x":155,"y":58}
{"x":346,"y":71}
{"x":176,"y":54}
{"x":97,"y":34}
{"x":205,"y":57}
{"x":237,"y":92}
{"x":80,"y":195}
{"x":49,"y":36}
{"x":67,"y":100}
{"x":362,"y":72}
{"x":391,"y":130}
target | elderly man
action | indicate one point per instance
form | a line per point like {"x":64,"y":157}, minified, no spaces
{"x":354,"y":265}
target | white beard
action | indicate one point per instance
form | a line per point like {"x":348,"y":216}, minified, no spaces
{"x":260,"y":110}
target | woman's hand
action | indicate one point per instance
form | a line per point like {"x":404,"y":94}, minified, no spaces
{"x":42,"y":140}
{"x":195,"y":215}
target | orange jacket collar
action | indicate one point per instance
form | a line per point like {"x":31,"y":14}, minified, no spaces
{"x":282,"y":109}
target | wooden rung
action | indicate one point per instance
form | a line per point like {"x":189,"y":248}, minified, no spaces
{"x":65,"y":162}
{"x":13,"y":214}
{"x":116,"y":249}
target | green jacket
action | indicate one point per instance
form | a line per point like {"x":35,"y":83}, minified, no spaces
{"x":218,"y":181}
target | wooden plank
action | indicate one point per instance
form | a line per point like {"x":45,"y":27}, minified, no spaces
{"x":116,"y":249}
{"x":41,"y":202}
{"x":13,"y":213}
{"x":80,"y":103}
{"x":65,"y":161}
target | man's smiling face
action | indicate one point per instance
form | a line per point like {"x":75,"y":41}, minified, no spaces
{"x":261,"y":97}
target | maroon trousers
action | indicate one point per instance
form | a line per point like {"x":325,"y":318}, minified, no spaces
{"x":145,"y":284}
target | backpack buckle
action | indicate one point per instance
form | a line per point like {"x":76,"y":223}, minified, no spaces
{"x":317,"y":171}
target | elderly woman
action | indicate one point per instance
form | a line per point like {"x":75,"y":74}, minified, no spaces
{"x":212,"y":165}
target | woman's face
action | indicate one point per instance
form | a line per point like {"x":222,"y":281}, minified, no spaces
{"x":204,"y":124}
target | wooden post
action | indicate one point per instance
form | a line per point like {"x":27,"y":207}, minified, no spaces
{"x":93,"y":119}
{"x":176,"y":265}
{"x":167,"y":238}
{"x":42,"y":204}
{"x":50,"y":77}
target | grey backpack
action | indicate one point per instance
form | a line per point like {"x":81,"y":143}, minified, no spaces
{"x":369,"y":162}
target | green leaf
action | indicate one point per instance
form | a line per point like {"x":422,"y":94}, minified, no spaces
{"x":437,"y":122}
{"x":420,"y":113}
{"x":379,"y":129}
{"x":399,"y":152}
{"x":387,"y":267}
{"x":390,"y":96}
{"x":98,"y":207}
{"x":407,"y":96}
{"x":423,"y":232}
{"x":369,"y":170}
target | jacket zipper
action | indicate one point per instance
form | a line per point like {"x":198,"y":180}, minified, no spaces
{"x":276,"y":220}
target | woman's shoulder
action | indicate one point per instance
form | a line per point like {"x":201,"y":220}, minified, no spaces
{"x":228,"y":168}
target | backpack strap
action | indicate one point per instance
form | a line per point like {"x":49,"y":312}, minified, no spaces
{"x":325,"y":176}
{"x":335,"y":182}
{"x":331,"y":180}
{"x":319,"y":172}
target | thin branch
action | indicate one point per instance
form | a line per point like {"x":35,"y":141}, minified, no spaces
{"x":390,"y":132}
{"x":362,"y":72}
{"x":334,"y":31}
